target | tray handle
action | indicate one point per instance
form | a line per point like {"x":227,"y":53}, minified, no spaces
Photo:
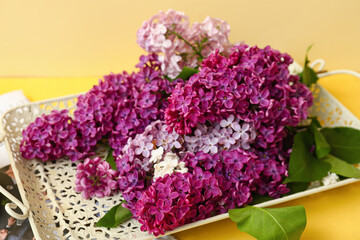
{"x":14,"y":201}
{"x":321,"y":63}
{"x":13,"y":205}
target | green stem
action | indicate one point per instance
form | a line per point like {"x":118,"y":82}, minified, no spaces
{"x":187,"y":43}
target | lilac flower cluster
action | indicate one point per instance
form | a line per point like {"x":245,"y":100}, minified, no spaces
{"x":122,"y":105}
{"x":94,"y":177}
{"x":214,"y":184}
{"x":169,"y":180}
{"x":227,"y":135}
{"x":119,"y":107}
{"x":135,"y":165}
{"x":253,"y":84}
{"x":178,"y":44}
{"x":50,"y":137}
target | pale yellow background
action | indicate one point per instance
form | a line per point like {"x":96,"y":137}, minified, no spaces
{"x":55,"y":48}
{"x":93,"y":37}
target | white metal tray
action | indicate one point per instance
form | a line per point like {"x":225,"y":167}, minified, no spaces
{"x":56,"y":211}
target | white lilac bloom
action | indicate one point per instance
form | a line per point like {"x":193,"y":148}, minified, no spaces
{"x":330,"y":179}
{"x":160,"y":170}
{"x":171,"y":158}
{"x":156,"y":154}
{"x":294,"y":68}
{"x":169,"y":165}
{"x":181,"y":168}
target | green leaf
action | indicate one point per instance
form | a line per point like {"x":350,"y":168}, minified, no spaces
{"x":308,"y":75}
{"x":110,"y":159}
{"x":296,"y":187}
{"x":344,"y":142}
{"x":307,"y":53}
{"x":115,"y":216}
{"x":303,"y":165}
{"x":315,"y":121}
{"x":186,"y":73}
{"x":322,"y":148}
{"x":270,"y":223}
{"x":342,"y":168}
{"x":257,"y":198}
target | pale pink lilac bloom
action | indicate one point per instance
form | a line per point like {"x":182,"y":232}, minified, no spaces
{"x":158,"y":35}
{"x":230,"y":133}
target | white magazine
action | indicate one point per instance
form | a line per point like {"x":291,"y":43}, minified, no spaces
{"x":7,"y":101}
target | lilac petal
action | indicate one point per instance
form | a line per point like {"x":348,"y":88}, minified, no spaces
{"x":236,"y":135}
{"x":235,"y":126}
{"x":146,"y":153}
{"x":229,"y":103}
{"x":244,"y":136}
{"x":224,"y":123}
{"x":159,"y":216}
{"x":245,"y":127}
{"x":264,"y":102}
{"x":265,"y":93}
{"x":138,"y":151}
{"x":207,"y":194}
{"x":153,"y":210}
{"x":216,"y":191}
{"x":254,"y":100}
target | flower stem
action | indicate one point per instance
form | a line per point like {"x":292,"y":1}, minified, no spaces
{"x":186,"y":42}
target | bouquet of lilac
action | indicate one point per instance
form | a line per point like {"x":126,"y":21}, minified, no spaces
{"x":203,"y":127}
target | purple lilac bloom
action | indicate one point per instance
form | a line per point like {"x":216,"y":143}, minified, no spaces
{"x":230,"y":120}
{"x":133,"y":163}
{"x":50,"y":137}
{"x":119,"y":107}
{"x":267,"y":95}
{"x":94,"y":177}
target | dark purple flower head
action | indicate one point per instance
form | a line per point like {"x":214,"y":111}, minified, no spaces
{"x":260,"y":98}
{"x":95,"y":177}
{"x":274,"y":170}
{"x":49,"y":136}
